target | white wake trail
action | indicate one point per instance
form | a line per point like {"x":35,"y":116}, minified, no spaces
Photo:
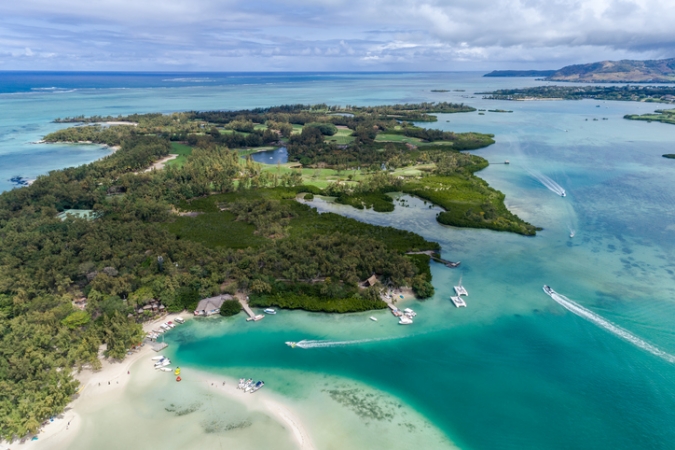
{"x":322,"y":344}
{"x":548,"y":182}
{"x":580,"y":311}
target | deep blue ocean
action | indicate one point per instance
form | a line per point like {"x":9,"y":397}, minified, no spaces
{"x":515,"y":369}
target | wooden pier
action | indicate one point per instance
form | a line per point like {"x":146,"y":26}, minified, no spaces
{"x":433,"y":255}
{"x":251,"y":315}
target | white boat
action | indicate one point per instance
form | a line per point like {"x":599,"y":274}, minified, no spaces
{"x":291,"y":344}
{"x":165,"y":326}
{"x":161,"y":364}
{"x":166,"y":369}
{"x":409,"y":312}
{"x":257,"y":386}
{"x":269,"y":311}
{"x":374,"y":319}
{"x":548,"y":290}
{"x":572,"y":234}
{"x":405,"y":321}
{"x":457,"y":300}
{"x":563,"y":193}
{"x":459,"y":289}
{"x":180,"y":320}
{"x":157,"y":358}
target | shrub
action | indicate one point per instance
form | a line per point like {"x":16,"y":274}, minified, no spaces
{"x":230,"y":308}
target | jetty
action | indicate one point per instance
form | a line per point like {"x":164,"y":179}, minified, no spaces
{"x":434,"y":256}
{"x":251,"y":315}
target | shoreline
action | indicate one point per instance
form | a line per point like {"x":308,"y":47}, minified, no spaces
{"x":53,"y":435}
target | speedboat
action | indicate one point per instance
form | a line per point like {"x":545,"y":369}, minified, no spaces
{"x":291,"y":344}
{"x":257,"y":386}
{"x":548,"y":290}
{"x":457,"y":300}
{"x":162,"y":363}
{"x":563,"y":194}
{"x":374,"y":319}
{"x":165,"y":369}
{"x":180,"y":320}
{"x":405,"y":321}
{"x":157,"y":358}
{"x":269,"y":311}
{"x":572,"y":234}
{"x":409,"y":312}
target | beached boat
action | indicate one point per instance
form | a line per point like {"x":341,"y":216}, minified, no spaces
{"x":163,"y":363}
{"x":179,"y":320}
{"x":269,"y":311}
{"x":374,"y":319}
{"x":257,"y":386}
{"x":157,"y":358}
{"x":405,"y":321}
{"x":166,"y":369}
{"x":457,"y":300}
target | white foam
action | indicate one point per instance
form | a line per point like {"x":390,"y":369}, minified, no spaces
{"x":548,"y":182}
{"x":580,"y":311}
{"x":322,"y":344}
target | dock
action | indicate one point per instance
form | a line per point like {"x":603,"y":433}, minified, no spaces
{"x":251,"y":315}
{"x":434,"y":256}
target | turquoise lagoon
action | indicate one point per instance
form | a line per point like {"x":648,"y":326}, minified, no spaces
{"x":514,"y":369}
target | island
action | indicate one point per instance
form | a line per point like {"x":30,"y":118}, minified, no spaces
{"x":669,"y":156}
{"x":656,"y":94}
{"x":624,"y":71}
{"x":180,"y":212}
{"x":660,"y":115}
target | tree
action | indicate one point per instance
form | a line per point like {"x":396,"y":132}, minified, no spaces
{"x":230,"y":308}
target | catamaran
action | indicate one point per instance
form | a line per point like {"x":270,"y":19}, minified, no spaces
{"x":459,"y":289}
{"x":405,"y":321}
{"x":457,"y":300}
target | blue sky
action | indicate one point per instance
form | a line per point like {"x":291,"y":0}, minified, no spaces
{"x":329,"y":35}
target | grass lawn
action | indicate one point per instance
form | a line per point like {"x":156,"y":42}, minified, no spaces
{"x":384,"y":137}
{"x":183,"y":151}
{"x":342,"y":137}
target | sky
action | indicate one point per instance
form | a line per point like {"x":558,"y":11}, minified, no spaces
{"x":330,"y":35}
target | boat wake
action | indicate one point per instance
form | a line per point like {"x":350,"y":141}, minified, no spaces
{"x":323,"y":344}
{"x":549,"y":183}
{"x":580,"y":311}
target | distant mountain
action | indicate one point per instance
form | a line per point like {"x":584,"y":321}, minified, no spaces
{"x":520,"y":73}
{"x":650,"y":71}
{"x":626,"y":71}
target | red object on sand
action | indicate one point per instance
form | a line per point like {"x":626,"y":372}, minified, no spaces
{"x":177,"y":378}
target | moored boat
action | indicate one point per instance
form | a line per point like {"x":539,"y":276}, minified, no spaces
{"x":269,"y":311}
{"x":257,"y":386}
{"x":405,"y":321}
{"x":374,"y":319}
{"x":458,"y":302}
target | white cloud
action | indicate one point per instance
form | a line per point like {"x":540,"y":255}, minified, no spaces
{"x":331,"y":34}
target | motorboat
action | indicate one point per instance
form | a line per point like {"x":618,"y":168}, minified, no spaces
{"x":409,"y":312}
{"x":165,"y":326}
{"x":157,"y":358}
{"x":257,"y":386}
{"x":291,"y":344}
{"x":405,"y":321}
{"x":179,"y":320}
{"x":572,"y":234}
{"x":458,"y":302}
{"x":162,"y":363}
{"x":269,"y":311}
{"x":563,"y":193}
{"x":374,"y":319}
{"x":165,"y":369}
{"x":548,"y":290}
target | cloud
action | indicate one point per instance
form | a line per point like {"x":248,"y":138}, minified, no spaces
{"x":330,"y":34}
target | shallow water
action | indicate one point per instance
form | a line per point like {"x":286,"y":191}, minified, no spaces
{"x":514,"y":369}
{"x":276,"y":156}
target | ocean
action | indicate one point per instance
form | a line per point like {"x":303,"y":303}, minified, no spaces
{"x":516,"y":368}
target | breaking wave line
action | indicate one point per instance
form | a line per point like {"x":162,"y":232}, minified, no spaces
{"x":626,"y":335}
